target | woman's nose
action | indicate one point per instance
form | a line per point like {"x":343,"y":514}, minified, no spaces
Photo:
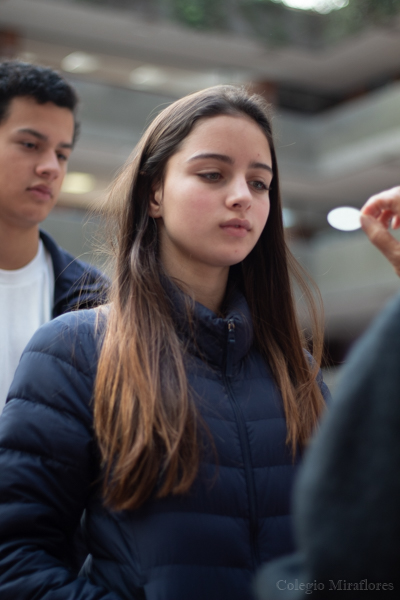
{"x":239,"y":196}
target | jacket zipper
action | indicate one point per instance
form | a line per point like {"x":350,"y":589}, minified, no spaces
{"x":244,"y":443}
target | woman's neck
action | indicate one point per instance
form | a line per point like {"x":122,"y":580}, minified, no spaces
{"x":205,"y":285}
{"x":210,"y":294}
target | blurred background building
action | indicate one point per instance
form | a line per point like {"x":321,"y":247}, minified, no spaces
{"x":331,"y":68}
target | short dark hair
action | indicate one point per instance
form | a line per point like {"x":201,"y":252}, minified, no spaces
{"x":20,"y":79}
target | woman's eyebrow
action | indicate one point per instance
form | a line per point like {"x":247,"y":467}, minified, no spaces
{"x":259,"y":165}
{"x":229,"y":160}
{"x":223,"y":157}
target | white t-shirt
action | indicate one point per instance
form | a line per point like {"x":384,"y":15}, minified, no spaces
{"x":26,"y":302}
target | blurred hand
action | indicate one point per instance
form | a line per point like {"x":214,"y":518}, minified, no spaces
{"x":380,"y":213}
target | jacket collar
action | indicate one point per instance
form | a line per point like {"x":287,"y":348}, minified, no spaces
{"x":75,"y":283}
{"x":207,"y":338}
{"x":58,"y":259}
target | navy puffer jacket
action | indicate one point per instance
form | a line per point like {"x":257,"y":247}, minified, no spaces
{"x":204,"y":545}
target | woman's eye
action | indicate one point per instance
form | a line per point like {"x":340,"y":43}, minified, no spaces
{"x":259,"y":186}
{"x":62,"y":157}
{"x":210,"y":176}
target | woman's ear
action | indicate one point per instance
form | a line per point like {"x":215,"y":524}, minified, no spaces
{"x":156,"y":202}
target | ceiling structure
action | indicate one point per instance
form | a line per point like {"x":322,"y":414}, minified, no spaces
{"x":354,"y":63}
{"x":151,"y":63}
{"x":337,"y":114}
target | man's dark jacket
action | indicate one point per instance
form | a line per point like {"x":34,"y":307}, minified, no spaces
{"x":76,"y":284}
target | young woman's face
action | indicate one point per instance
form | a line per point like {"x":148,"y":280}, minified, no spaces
{"x":214,"y":201}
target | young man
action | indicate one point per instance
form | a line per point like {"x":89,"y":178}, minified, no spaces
{"x":38,"y":279}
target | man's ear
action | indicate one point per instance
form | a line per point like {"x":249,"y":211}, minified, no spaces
{"x":156,"y":202}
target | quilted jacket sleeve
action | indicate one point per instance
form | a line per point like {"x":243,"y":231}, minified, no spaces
{"x":48,"y":462}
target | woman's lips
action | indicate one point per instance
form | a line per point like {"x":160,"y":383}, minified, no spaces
{"x":42,"y":192}
{"x":236,"y":227}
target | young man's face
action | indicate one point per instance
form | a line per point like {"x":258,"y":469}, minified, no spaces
{"x":35,"y":144}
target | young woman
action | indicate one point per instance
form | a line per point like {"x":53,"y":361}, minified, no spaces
{"x":173,"y":418}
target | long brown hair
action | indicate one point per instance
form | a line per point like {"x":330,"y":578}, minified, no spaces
{"x":144,"y":417}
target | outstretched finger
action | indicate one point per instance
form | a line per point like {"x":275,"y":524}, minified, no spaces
{"x":382,"y":239}
{"x":389,"y":200}
{"x":386,"y":217}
